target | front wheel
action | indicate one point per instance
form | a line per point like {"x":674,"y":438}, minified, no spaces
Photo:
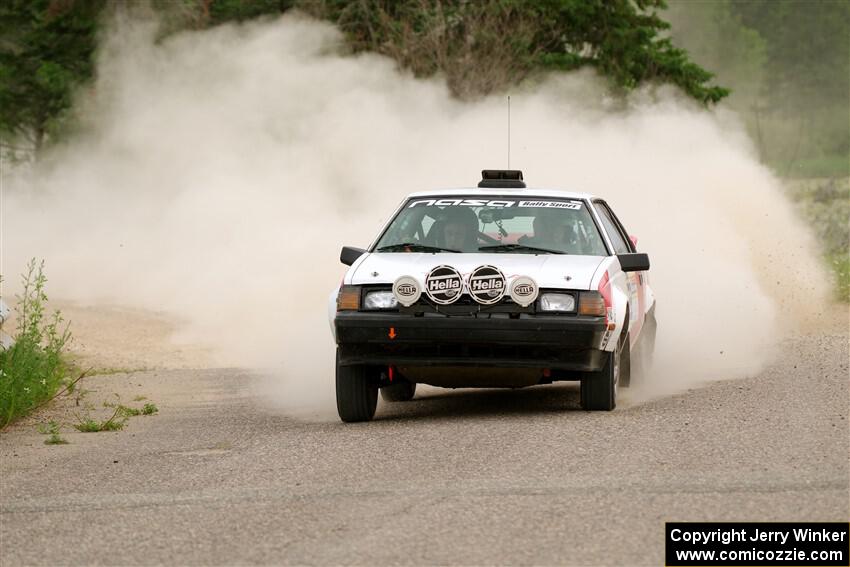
{"x":599,"y":389}
{"x":356,"y":393}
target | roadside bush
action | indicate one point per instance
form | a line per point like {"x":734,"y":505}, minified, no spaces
{"x":33,"y":368}
{"x":825,"y":205}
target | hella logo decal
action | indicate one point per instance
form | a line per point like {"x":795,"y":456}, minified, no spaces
{"x":407,"y":290}
{"x":443,"y":285}
{"x":486,"y":285}
{"x":523,"y":291}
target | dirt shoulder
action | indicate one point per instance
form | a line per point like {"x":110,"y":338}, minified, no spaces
{"x":126,"y":354}
{"x":110,"y":337}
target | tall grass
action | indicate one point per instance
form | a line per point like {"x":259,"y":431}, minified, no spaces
{"x":33,"y":368}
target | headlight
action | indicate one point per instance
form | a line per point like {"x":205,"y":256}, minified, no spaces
{"x":380,"y":300}
{"x":561,"y":302}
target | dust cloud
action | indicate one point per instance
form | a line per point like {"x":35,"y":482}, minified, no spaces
{"x":215,"y":175}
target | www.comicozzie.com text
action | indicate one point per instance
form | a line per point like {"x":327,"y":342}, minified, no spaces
{"x":726,"y":536}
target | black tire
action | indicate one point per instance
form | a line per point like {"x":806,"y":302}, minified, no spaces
{"x":356,"y":393}
{"x":400,"y":390}
{"x":599,"y":389}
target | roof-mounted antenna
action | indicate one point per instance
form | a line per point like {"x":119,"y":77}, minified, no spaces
{"x":509,"y":131}
{"x":503,"y":178}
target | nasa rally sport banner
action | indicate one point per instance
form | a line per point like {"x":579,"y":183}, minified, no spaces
{"x":757,"y":543}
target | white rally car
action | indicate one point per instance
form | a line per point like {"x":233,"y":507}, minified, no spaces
{"x":494,"y":286}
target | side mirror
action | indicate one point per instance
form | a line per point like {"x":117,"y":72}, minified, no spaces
{"x":350,"y":254}
{"x":636,"y":262}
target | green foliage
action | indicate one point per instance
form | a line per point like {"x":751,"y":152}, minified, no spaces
{"x":108,"y":370}
{"x":88,"y":425}
{"x":715,"y":36}
{"x":33,"y":369}
{"x":49,"y":427}
{"x":116,"y":422}
{"x":221,"y":11}
{"x":807,"y":78}
{"x":113,"y":424}
{"x":840,"y":266}
{"x":488,"y":46}
{"x":55,"y":439}
{"x":825,"y":204}
{"x":123,"y":411}
{"x":46,"y":49}
{"x":47,"y":46}
{"x":808,"y":63}
{"x":834,"y":165}
{"x":52,"y":428}
{"x":623,"y":40}
{"x":787,"y":61}
{"x":788,"y":64}
{"x":126,"y":411}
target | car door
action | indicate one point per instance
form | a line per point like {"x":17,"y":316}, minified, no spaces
{"x":636,"y":280}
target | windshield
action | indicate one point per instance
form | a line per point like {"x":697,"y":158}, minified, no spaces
{"x":495,"y":225}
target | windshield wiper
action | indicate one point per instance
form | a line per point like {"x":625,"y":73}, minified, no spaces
{"x":518,"y":248}
{"x":413,"y":247}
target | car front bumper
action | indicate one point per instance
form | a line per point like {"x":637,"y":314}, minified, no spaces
{"x":569,"y":343}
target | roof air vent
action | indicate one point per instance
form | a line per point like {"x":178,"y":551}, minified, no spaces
{"x":501,"y":179}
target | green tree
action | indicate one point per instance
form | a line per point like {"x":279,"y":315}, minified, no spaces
{"x":788,"y":64}
{"x":716,"y":37}
{"x":220,"y":11}
{"x":486,"y":46}
{"x":47,"y":46}
{"x":807,"y":80}
{"x":46,"y":49}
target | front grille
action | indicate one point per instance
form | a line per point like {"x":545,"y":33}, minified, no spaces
{"x":466,"y":305}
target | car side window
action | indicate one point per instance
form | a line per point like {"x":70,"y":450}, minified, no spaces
{"x":620,"y":246}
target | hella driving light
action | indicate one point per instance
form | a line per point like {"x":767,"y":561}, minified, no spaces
{"x":558,"y":302}
{"x":380,"y":300}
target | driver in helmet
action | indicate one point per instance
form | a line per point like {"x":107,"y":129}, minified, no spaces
{"x":459,"y":230}
{"x":553,"y":229}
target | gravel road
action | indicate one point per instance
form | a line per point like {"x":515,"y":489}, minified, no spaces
{"x":454,"y":477}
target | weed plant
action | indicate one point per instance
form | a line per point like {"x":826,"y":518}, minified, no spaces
{"x":33,"y":368}
{"x":115,"y":423}
{"x":52,"y":428}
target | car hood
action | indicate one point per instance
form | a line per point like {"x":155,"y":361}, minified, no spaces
{"x":548,"y":270}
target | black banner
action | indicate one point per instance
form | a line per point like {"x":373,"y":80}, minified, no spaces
{"x":757,"y":543}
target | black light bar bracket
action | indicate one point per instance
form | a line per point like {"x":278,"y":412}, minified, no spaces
{"x":501,"y":179}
